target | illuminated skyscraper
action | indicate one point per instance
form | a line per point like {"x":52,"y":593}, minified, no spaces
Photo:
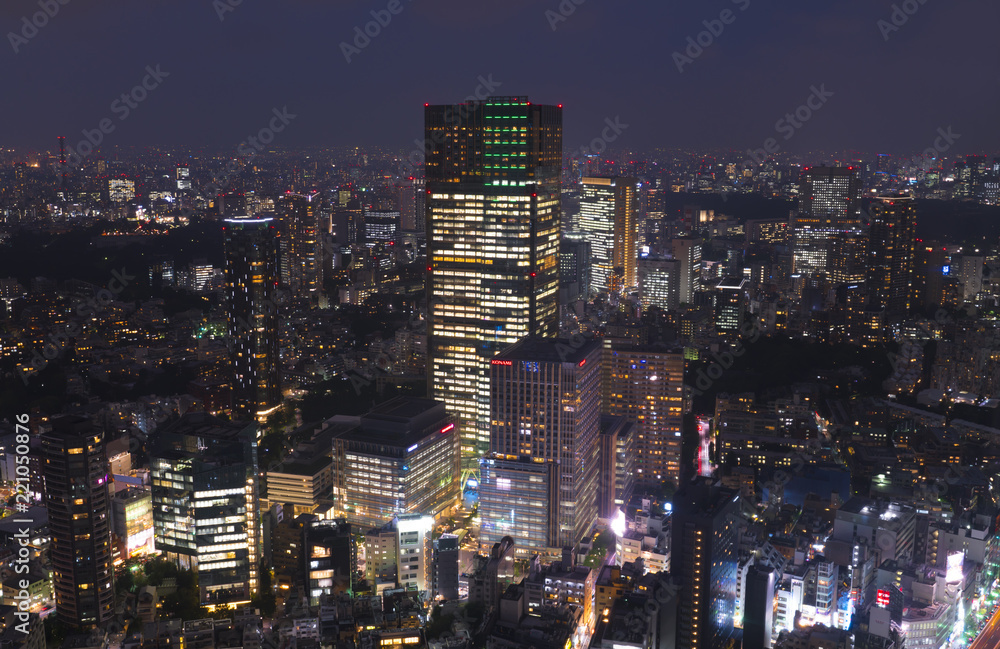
{"x":183,"y":177}
{"x":75,"y":468}
{"x":205,"y":504}
{"x":545,"y":415}
{"x":400,"y":458}
{"x":660,"y":282}
{"x":646,"y":385}
{"x":574,"y":267}
{"x":251,"y":280}
{"x":688,"y":251}
{"x":826,"y":232}
{"x":703,"y":562}
{"x":412,"y":205}
{"x":892,"y":240}
{"x":301,"y":244}
{"x":730,"y":305}
{"x":609,"y":216}
{"x":493,"y":214}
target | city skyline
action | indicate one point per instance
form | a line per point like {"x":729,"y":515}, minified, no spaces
{"x":515,"y":324}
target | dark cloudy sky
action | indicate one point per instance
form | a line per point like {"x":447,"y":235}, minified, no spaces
{"x":609,"y":58}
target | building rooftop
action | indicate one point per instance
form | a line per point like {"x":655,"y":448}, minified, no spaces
{"x":550,"y":350}
{"x":402,"y":421}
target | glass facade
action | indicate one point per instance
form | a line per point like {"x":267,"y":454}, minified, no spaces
{"x":493,"y":218}
{"x":609,"y":217}
{"x":379,"y":474}
{"x":546,"y":407}
{"x":826,"y":230}
{"x":205,"y":504}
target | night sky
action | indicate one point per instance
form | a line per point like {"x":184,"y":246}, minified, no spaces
{"x":609,"y":58}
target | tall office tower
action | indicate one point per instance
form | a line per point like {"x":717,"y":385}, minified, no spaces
{"x":205,"y":504}
{"x":121,"y":190}
{"x":75,"y":469}
{"x":400,"y":458}
{"x":251,"y":278}
{"x":971,"y":275}
{"x":892,"y":240}
{"x":545,"y":410}
{"x":660,"y":282}
{"x":183,"y":177}
{"x":301,"y":244}
{"x":574,"y":267}
{"x":688,"y":251}
{"x":703,"y":562}
{"x":493,"y":194}
{"x":826,"y":231}
{"x":381,"y":227}
{"x":646,"y":385}
{"x":730,"y":305}
{"x":609,"y":217}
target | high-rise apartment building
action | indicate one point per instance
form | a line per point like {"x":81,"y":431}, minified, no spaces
{"x":646,"y":385}
{"x":493,"y":172}
{"x":892,"y":240}
{"x":688,"y":251}
{"x":412,"y":202}
{"x":826,"y":231}
{"x":609,"y":216}
{"x":205,"y":504}
{"x":251,"y":280}
{"x":703,"y":562}
{"x":75,"y":468}
{"x":545,"y":409}
{"x":301,"y":244}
